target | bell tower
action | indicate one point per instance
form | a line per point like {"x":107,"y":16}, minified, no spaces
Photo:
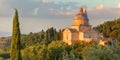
{"x":86,"y":18}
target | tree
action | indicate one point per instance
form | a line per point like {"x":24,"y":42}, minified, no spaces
{"x":60,"y":35}
{"x":55,"y":50}
{"x":15,"y":43}
{"x":110,"y":29}
{"x":103,"y":53}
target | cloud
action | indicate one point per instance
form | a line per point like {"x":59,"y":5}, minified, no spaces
{"x":104,"y":13}
{"x":100,"y":7}
{"x":51,"y":9}
{"x":64,"y":13}
{"x":27,"y":8}
{"x":5,"y":24}
{"x":61,"y":12}
{"x":44,"y":1}
{"x":5,"y":7}
{"x":99,"y":16}
{"x":50,"y":13}
{"x":4,"y":2}
{"x":118,"y":5}
{"x":35,"y":11}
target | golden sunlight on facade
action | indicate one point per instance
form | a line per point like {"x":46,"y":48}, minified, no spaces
{"x":80,"y":29}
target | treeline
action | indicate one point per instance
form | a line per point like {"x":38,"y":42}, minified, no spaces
{"x":110,"y":29}
{"x":42,"y":37}
{"x":57,"y":50}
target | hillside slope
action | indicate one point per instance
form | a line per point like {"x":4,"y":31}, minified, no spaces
{"x":110,"y":28}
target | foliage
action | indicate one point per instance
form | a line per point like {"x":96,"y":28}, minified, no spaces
{"x":110,"y":29}
{"x":37,"y":40}
{"x":57,"y":50}
{"x":42,"y":52}
{"x":80,"y":47}
{"x":36,"y":52}
{"x":4,"y":54}
{"x":42,"y":37}
{"x":103,"y":53}
{"x":15,"y":43}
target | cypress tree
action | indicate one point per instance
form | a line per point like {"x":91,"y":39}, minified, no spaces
{"x":15,"y":43}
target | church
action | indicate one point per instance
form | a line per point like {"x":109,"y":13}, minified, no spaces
{"x":80,"y":30}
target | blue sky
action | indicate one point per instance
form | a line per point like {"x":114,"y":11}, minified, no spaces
{"x":35,"y":15}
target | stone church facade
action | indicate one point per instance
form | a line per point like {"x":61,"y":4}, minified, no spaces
{"x":80,"y":29}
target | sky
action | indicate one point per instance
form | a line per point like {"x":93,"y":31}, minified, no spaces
{"x":35,"y":15}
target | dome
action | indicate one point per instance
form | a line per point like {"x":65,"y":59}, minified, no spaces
{"x":79,"y":16}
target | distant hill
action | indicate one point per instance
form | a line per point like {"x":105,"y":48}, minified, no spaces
{"x":110,"y":28}
{"x":2,"y":34}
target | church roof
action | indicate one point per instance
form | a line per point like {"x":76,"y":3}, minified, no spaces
{"x":73,"y":30}
{"x":84,"y":29}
